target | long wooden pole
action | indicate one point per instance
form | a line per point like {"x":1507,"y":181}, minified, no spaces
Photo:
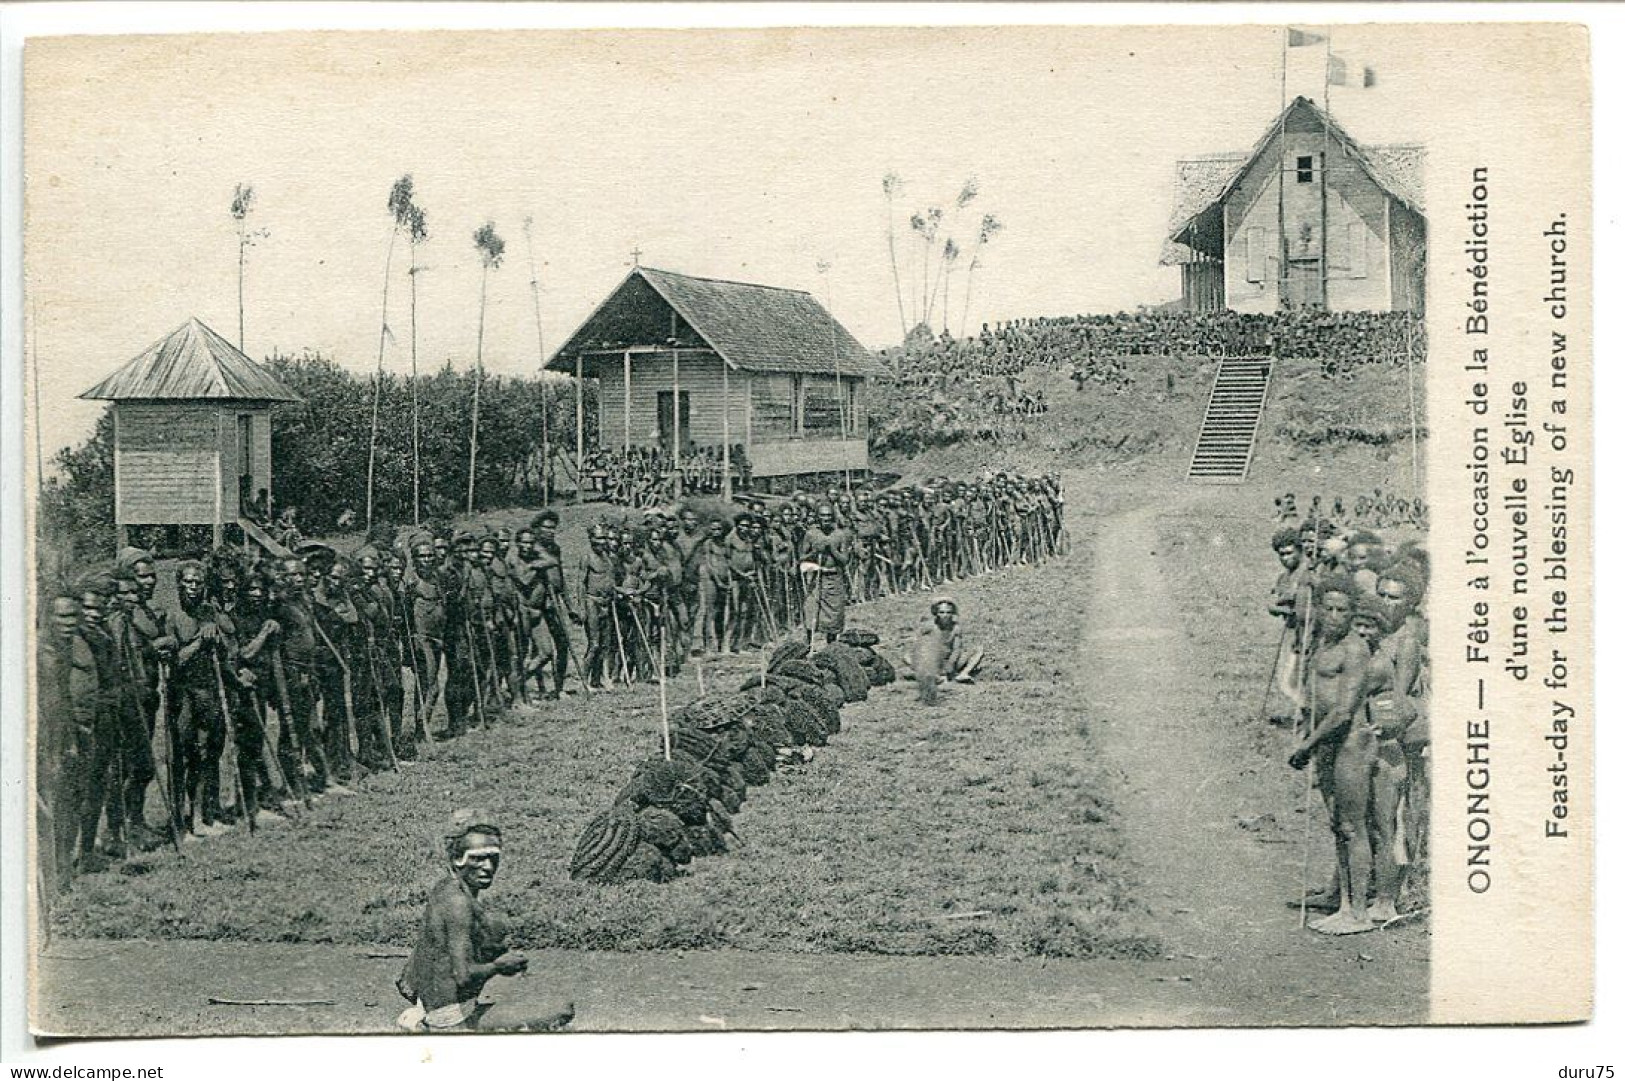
{"x":626,"y":402}
{"x":1410,"y":380}
{"x":417,"y":431}
{"x":1325,"y":179}
{"x":581,"y":433}
{"x":665,"y":715}
{"x":378,"y":373}
{"x":835,"y":357}
{"x":1283,"y":251}
{"x":541,"y":359}
{"x":727,"y":439}
{"x":479,"y":372}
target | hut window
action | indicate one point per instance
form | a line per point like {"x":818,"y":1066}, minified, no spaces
{"x":821,"y":407}
{"x":772,"y":403}
{"x":1306,"y":169}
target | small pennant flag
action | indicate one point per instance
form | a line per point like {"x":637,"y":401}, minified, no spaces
{"x":1338,"y":74}
{"x":1296,"y":38}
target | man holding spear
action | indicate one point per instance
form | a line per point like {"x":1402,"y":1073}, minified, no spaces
{"x":193,"y":630}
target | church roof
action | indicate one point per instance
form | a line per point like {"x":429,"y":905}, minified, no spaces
{"x":755,"y":328}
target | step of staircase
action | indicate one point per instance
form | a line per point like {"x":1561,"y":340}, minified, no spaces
{"x":1229,"y":434}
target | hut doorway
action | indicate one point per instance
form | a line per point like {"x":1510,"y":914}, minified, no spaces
{"x":663,"y":417}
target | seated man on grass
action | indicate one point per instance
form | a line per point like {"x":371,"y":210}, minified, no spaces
{"x":461,"y":947}
{"x":940,"y":652}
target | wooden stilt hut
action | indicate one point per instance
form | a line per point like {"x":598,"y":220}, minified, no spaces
{"x":191,"y":433}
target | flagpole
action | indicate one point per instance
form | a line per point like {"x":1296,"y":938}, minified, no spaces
{"x":1282,"y":252}
{"x":1325,"y":178}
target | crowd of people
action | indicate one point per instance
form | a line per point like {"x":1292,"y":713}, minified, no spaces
{"x":642,"y":477}
{"x":1093,"y":348}
{"x":266,"y":681}
{"x":1351,"y":678}
{"x":1378,"y":509}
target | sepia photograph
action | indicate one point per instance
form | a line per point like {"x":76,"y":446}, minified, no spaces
{"x":795,"y":529}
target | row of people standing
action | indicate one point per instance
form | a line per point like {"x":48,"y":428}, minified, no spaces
{"x":719,"y":583}
{"x":1353,"y":671}
{"x":260,"y":683}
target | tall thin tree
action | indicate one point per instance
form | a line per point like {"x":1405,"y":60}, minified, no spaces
{"x":399,"y":194}
{"x":835,"y":361}
{"x":417,"y":231}
{"x":950,"y":258}
{"x":490,"y":246}
{"x":950,"y":248}
{"x":242,"y":204}
{"x":990,"y":227}
{"x":926,"y":226}
{"x":891,"y":184}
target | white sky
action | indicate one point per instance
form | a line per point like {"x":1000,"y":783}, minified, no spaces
{"x":751,"y":155}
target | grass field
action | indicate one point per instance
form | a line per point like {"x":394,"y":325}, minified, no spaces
{"x":984,"y":826}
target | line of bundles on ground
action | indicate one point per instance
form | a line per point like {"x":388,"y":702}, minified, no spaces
{"x":306,"y":672}
{"x":680,"y":802}
{"x":1351,"y":678}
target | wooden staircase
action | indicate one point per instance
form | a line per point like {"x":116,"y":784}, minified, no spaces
{"x":1229,"y":435}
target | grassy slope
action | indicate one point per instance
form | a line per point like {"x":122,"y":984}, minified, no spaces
{"x":990,"y":803}
{"x":1336,"y":435}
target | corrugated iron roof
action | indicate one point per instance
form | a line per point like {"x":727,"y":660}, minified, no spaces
{"x":1201,"y":182}
{"x":192,"y":362}
{"x":756,"y":328}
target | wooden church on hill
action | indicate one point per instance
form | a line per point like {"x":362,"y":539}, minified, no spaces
{"x":191,"y":432}
{"x":685,"y":362}
{"x":1308,"y":218}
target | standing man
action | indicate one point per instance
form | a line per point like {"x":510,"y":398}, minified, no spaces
{"x":193,"y":625}
{"x":559,"y":612}
{"x":714,"y":586}
{"x":90,"y":690}
{"x":688,"y":540}
{"x":425,"y":609}
{"x":599,"y":576}
{"x":134,"y":708}
{"x":1342,"y":746}
{"x":57,"y":742}
{"x":345,"y":698}
{"x":827,"y":550}
{"x":300,"y":690}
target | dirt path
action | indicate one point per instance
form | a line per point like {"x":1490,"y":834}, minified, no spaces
{"x":1220,"y":893}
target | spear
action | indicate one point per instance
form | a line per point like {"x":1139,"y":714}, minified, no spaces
{"x":231,"y":743}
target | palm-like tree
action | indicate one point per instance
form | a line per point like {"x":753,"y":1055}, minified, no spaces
{"x":242,"y":204}
{"x":891,"y":184}
{"x":490,"y":246}
{"x":990,"y":228}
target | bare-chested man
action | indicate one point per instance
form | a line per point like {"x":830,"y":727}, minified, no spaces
{"x":461,"y":946}
{"x":1389,"y":714}
{"x":940,"y":651}
{"x":1342,"y":746}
